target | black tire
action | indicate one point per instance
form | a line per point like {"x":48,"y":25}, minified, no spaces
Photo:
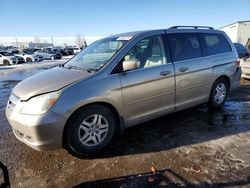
{"x":71,"y":137}
{"x":212,"y":101}
{"x":6,"y":62}
{"x":28,"y":60}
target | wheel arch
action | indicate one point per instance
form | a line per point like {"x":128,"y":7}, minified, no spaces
{"x":119,"y":119}
{"x":227,"y":79}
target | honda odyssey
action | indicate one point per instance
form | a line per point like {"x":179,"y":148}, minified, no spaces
{"x":120,"y":81}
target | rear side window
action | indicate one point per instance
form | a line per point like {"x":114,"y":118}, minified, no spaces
{"x":184,"y":46}
{"x":214,"y":44}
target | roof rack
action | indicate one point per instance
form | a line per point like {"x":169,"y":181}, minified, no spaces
{"x":194,"y":27}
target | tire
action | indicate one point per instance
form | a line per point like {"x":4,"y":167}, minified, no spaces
{"x":6,"y":62}
{"x":85,"y":125}
{"x":28,"y":60}
{"x":218,"y":94}
{"x":52,"y":57}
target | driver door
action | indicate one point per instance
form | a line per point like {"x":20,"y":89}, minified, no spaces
{"x":148,"y":91}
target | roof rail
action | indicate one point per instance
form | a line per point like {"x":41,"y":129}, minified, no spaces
{"x":194,"y":27}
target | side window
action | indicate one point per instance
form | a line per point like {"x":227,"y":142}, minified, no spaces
{"x":214,"y":44}
{"x":184,"y":46}
{"x":148,"y":52}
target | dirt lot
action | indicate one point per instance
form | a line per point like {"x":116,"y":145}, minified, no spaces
{"x":195,"y":147}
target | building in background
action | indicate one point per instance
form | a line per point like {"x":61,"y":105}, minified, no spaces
{"x":20,"y":44}
{"x":40,"y":45}
{"x":56,"y":40}
{"x":238,"y":32}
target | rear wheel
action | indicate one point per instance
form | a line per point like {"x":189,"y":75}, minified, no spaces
{"x":6,"y":62}
{"x":90,"y":129}
{"x":218,"y":93}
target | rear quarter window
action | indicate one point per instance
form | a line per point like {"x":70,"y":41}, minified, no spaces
{"x":213,"y":43}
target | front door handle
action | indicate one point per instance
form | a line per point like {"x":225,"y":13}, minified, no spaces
{"x":165,"y":73}
{"x":183,"y":69}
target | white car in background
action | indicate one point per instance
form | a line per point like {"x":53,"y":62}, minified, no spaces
{"x":76,"y":50}
{"x":7,"y":58}
{"x":28,"y":56}
{"x":245,"y":67}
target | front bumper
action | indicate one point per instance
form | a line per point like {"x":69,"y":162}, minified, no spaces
{"x":41,"y":132}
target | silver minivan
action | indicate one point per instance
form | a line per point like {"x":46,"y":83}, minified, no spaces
{"x":120,"y":81}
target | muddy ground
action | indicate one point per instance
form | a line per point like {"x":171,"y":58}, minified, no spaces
{"x":195,"y":147}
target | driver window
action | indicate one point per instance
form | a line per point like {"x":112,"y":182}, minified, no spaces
{"x":148,"y":52}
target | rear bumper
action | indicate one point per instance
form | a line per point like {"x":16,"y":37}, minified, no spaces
{"x":235,"y":79}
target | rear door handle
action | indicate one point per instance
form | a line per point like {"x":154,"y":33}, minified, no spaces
{"x":183,"y":69}
{"x":165,"y":73}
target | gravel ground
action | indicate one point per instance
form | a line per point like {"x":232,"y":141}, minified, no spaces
{"x":195,"y":147}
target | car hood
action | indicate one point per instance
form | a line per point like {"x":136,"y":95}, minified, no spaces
{"x":48,"y":81}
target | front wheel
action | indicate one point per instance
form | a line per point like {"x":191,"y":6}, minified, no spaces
{"x":218,"y":93}
{"x":28,"y":60}
{"x":90,"y":129}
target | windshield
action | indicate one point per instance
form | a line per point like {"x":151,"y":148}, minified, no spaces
{"x":6,"y":53}
{"x":96,"y":55}
{"x":29,"y":52}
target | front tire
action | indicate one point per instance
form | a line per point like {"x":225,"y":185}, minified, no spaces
{"x":219,"y":93}
{"x":90,"y":130}
{"x":28,"y":60}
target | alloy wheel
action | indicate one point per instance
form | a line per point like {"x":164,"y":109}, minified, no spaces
{"x":93,"y":130}
{"x":220,"y":93}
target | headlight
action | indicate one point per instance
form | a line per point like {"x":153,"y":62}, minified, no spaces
{"x":40,"y":104}
{"x":13,"y":58}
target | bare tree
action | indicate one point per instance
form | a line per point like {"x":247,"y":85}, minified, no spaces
{"x":37,"y":39}
{"x":80,"y":41}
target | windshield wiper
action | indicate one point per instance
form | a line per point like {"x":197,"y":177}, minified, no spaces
{"x":74,"y":67}
{"x":91,"y":70}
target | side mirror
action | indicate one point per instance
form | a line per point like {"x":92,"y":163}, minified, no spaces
{"x":130,"y":64}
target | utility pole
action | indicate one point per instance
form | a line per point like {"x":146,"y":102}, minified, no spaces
{"x":52,"y":41}
{"x":16,"y":42}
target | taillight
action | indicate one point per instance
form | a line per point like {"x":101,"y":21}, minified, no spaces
{"x":237,"y":62}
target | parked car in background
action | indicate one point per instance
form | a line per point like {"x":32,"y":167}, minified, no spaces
{"x":30,"y":50}
{"x":243,"y":55}
{"x":245,"y":67}
{"x":29,"y":56}
{"x":48,"y":54}
{"x":120,"y":81}
{"x":76,"y":50}
{"x":62,"y":51}
{"x":70,"y":51}
{"x":242,"y":51}
{"x":7,"y":58}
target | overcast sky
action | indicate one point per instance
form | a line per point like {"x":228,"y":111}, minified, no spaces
{"x":105,"y":17}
